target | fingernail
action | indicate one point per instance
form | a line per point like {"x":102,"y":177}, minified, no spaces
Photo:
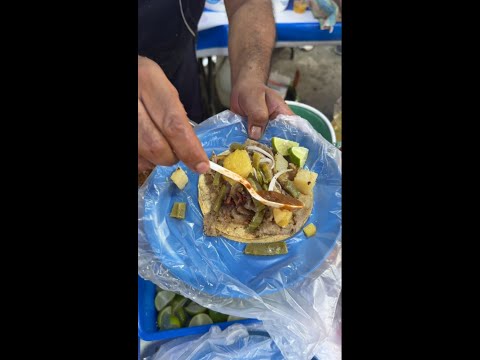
{"x":256,"y":132}
{"x":202,"y":167}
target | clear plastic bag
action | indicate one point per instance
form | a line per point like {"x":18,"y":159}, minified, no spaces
{"x":295,"y":295}
{"x":237,"y":342}
{"x":337,"y":122}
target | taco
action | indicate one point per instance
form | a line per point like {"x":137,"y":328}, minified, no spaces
{"x":231,"y":212}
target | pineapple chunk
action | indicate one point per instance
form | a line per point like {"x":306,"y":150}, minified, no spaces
{"x":238,"y":162}
{"x":179,"y":178}
{"x":305,"y":181}
{"x":280,"y":162}
{"x":310,"y":230}
{"x":282,"y":217}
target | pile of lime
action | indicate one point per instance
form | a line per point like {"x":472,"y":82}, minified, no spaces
{"x":291,"y":149}
{"x":176,"y":311}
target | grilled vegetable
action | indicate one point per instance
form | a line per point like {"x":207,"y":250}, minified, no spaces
{"x":220,"y":197}
{"x":266,"y":172}
{"x":260,"y":177}
{"x":178,"y":210}
{"x":256,"y":161}
{"x":275,"y":248}
{"x":288,"y":186}
{"x":236,"y":146}
{"x":256,"y":220}
{"x":256,"y":186}
{"x":216,"y":179}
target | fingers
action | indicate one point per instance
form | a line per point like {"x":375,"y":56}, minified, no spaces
{"x":184,"y":142}
{"x":144,"y":165}
{"x":259,"y":104}
{"x":276,"y":105}
{"x":152,"y":145}
{"x":168,"y":115}
{"x":255,"y":108}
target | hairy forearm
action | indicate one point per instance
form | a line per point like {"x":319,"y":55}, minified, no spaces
{"x":251,"y":38}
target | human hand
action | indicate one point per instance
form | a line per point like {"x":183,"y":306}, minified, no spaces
{"x":165,"y":135}
{"x":253,"y":99}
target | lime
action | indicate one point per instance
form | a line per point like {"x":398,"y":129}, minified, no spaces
{"x":298,"y":155}
{"x":193,"y":309}
{"x":281,"y":146}
{"x":166,"y":320}
{"x":200,"y":319}
{"x":163,"y":318}
{"x":181,"y":315}
{"x":234,"y":318}
{"x":162,"y":299}
{"x":217,"y":317}
{"x":174,"y":323}
{"x":177,"y":308}
{"x":178,"y":302}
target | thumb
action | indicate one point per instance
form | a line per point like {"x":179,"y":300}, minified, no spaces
{"x":255,"y":108}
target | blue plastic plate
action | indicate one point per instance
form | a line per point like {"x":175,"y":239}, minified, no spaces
{"x":217,"y":265}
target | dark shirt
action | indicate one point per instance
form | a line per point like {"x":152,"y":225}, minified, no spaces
{"x":164,"y":38}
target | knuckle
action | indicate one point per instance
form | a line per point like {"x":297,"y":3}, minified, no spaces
{"x":174,"y":125}
{"x":162,"y":153}
{"x":158,"y":148}
{"x":258,"y":116}
{"x":174,"y":91}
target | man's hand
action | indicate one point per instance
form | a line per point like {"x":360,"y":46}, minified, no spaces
{"x":164,"y":134}
{"x":253,"y":99}
{"x":250,"y":44}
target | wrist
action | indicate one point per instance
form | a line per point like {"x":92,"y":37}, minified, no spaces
{"x":250,"y":74}
{"x":251,"y":71}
